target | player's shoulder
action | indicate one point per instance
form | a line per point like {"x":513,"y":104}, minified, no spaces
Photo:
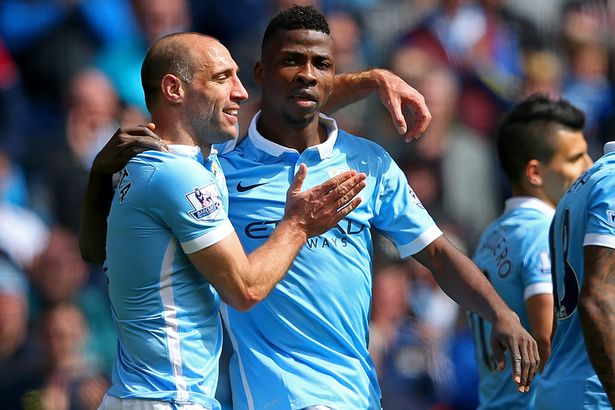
{"x":530,"y":228}
{"x":167,"y":167}
{"x":358,"y":149}
{"x":603,"y":176}
{"x":522,"y":228}
{"x":351,"y":142}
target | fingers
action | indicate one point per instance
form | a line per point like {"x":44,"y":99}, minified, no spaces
{"x":141,"y":138}
{"x":498,"y":355}
{"x":394,"y":106}
{"x":298,"y":180}
{"x":524,"y":364}
{"x":332,"y":183}
{"x":352,"y":205}
{"x":418,"y":115}
{"x":347,"y":190}
{"x":532,"y":364}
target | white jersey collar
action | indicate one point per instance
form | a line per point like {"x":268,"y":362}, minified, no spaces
{"x":609,"y":147}
{"x":190,"y":151}
{"x":528,"y":202}
{"x":276,"y":150}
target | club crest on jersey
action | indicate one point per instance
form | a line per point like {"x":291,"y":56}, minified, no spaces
{"x":206,"y":202}
{"x":333,"y":172}
{"x":610,"y":217}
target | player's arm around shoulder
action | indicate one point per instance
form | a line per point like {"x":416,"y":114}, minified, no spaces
{"x":243,"y":280}
{"x":121,"y":147}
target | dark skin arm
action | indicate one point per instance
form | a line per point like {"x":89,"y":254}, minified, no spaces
{"x":465,"y":283}
{"x":405,"y":104}
{"x":597,"y":313}
{"x":123,"y":145}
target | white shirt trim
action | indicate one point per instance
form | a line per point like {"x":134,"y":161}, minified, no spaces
{"x":609,"y":147}
{"x":427,"y":237}
{"x":190,"y":151}
{"x":212,"y":237}
{"x":607,"y":241}
{"x":242,"y":370}
{"x":540,"y":288}
{"x":517,"y":202}
{"x":171,"y":325}
{"x":276,"y":150}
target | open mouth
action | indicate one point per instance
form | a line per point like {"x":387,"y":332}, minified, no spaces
{"x":231,"y":112}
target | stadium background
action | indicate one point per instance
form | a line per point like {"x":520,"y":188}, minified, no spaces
{"x":69,"y":76}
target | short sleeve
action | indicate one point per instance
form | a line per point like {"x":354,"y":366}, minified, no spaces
{"x":536,"y":271}
{"x":600,"y":229}
{"x":399,"y":214}
{"x":184,"y":197}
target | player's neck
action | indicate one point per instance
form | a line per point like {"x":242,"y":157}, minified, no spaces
{"x":298,"y":137}
{"x":533,"y":192}
{"x":172,"y":133}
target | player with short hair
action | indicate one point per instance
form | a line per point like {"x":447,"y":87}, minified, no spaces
{"x":172,"y":252}
{"x":542,"y":151}
{"x":306,"y":343}
{"x":581,"y":371}
{"x":309,"y":348}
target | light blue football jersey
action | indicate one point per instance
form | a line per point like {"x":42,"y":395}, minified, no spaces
{"x":306,"y":343}
{"x":584,"y":216}
{"x":167,"y":315}
{"x":513,"y":252}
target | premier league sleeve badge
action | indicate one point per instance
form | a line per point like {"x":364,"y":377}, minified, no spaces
{"x":205,"y":201}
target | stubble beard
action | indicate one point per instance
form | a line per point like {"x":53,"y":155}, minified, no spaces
{"x":208,"y":129}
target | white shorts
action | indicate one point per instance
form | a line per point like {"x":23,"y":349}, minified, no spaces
{"x":115,"y":403}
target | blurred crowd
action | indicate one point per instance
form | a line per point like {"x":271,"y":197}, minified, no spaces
{"x":69,"y":76}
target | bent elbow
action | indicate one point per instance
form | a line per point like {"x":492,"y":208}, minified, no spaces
{"x":244,"y":301}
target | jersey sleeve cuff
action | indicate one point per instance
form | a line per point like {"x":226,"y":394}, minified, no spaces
{"x":537,"y":289}
{"x":211,"y":237}
{"x":427,"y":237}
{"x":597,"y":239}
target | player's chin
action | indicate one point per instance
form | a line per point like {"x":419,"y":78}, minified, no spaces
{"x":302,"y":118}
{"x":231,"y":134}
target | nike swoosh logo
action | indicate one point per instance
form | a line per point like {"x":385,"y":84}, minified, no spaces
{"x":244,"y":188}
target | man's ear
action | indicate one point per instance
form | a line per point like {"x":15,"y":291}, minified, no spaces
{"x":534,"y":172}
{"x":172,"y":89}
{"x":259,"y":73}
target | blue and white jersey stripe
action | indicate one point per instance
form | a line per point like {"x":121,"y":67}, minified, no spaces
{"x":167,"y":205}
{"x":584,"y":216}
{"x":513,"y":252}
{"x":306,"y":343}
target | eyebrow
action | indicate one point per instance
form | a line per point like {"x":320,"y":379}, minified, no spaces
{"x":228,"y":71}
{"x":301,"y":53}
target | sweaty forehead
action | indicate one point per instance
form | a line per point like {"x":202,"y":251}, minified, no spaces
{"x":300,"y":40}
{"x":215,"y":56}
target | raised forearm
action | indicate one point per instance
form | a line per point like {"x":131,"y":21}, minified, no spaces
{"x":269,"y":263}
{"x":597,"y":314}
{"x":352,"y":87}
{"x":94,"y":211}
